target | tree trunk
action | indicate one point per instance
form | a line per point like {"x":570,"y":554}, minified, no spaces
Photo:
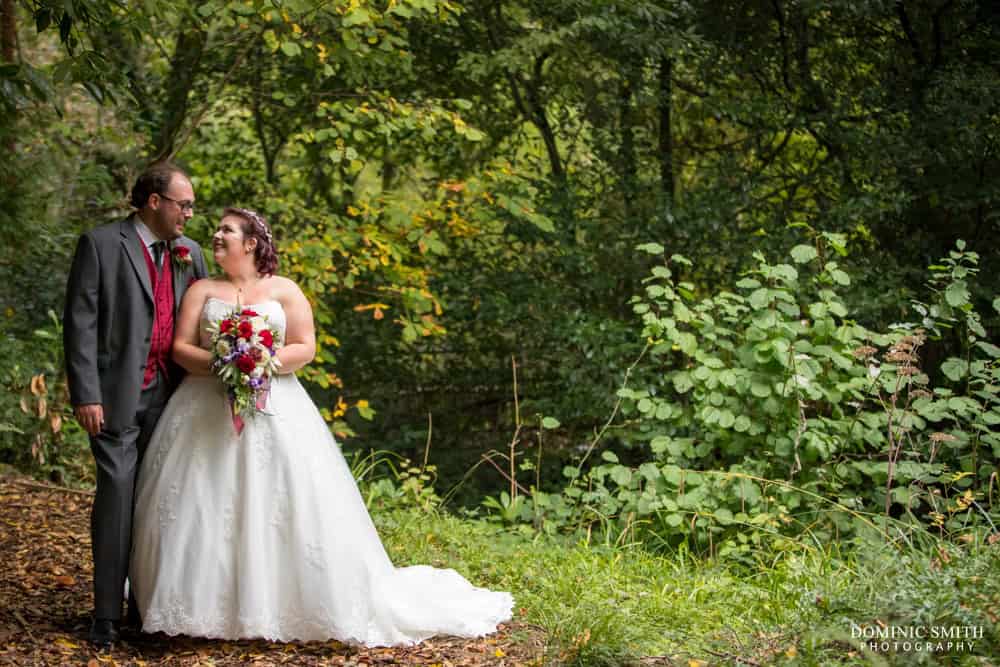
{"x":666,"y":135}
{"x":626,"y":151}
{"x":184,"y":68}
{"x":8,"y":31}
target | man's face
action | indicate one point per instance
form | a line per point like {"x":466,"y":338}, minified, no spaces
{"x":172,"y":209}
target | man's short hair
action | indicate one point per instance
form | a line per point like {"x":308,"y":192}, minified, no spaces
{"x":155,"y":179}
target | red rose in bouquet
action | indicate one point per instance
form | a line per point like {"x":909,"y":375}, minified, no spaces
{"x":245,"y":329}
{"x":245,"y":363}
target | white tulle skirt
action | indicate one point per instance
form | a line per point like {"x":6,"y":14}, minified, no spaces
{"x":266,"y":535}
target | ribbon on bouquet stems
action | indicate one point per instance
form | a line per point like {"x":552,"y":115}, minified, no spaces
{"x":260,"y":403}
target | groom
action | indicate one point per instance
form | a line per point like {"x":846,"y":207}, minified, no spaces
{"x":122,"y":297}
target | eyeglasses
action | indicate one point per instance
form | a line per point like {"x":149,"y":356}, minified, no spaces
{"x":185,"y":206}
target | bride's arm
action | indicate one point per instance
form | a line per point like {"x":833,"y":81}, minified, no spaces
{"x":187,"y":352}
{"x":300,"y":333}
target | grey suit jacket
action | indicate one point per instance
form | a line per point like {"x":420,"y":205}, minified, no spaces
{"x":108,"y":320}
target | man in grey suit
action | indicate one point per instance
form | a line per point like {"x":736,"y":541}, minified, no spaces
{"x":123,"y":294}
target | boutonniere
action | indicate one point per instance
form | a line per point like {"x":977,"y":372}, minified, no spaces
{"x":181,"y":256}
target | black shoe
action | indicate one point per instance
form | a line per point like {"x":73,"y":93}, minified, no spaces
{"x":133,"y":620}
{"x":104,"y":633}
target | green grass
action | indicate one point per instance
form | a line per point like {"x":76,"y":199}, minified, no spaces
{"x":603,"y":606}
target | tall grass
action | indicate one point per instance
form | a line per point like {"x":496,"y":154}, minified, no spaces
{"x":602,"y":605}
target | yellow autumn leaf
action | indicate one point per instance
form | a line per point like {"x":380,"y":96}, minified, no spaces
{"x":498,"y":653}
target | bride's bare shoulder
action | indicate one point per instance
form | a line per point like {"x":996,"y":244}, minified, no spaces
{"x":285,"y":288}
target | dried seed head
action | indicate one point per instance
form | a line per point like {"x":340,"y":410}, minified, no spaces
{"x":864,"y":352}
{"x":942,"y":437}
{"x":898,"y":355}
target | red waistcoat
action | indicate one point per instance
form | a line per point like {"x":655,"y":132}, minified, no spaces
{"x":162,"y":336}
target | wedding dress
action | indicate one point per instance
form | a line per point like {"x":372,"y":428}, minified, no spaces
{"x":266,"y":534}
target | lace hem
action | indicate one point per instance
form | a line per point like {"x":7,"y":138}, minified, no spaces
{"x":291,"y":628}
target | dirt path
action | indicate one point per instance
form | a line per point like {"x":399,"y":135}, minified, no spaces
{"x":45,"y":604}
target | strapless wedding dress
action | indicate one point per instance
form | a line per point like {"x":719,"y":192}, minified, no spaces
{"x":266,"y":535}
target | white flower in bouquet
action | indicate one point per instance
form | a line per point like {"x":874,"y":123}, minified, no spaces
{"x":223,"y":348}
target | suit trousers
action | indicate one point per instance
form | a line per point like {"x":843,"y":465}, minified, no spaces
{"x":118,"y":455}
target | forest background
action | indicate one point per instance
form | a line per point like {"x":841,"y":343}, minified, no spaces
{"x":696,"y":276}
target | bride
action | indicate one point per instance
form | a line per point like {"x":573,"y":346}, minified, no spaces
{"x":264,"y":534}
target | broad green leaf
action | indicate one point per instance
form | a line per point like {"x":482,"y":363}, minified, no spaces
{"x":550,"y":422}
{"x":804,"y":253}
{"x":955,"y":369}
{"x":989,"y":348}
{"x":957,"y":294}
{"x":759,"y":298}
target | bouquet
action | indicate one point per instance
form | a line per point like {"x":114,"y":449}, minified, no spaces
{"x":243,"y":355}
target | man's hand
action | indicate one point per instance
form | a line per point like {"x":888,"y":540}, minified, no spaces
{"x":91,"y":417}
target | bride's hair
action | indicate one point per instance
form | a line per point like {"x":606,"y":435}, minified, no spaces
{"x":255,"y":226}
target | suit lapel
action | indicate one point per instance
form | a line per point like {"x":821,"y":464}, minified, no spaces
{"x":132,"y":244}
{"x":179,"y":277}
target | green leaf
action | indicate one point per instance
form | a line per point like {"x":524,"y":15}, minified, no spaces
{"x":989,"y":348}
{"x":290,"y":49}
{"x":660,"y":443}
{"x":649,"y":471}
{"x":610,"y":457}
{"x":840,"y":277}
{"x":996,"y":304}
{"x":651,"y":248}
{"x":688,"y":343}
{"x":742,"y":424}
{"x":804,"y":253}
{"x":550,"y":422}
{"x":723,"y":516}
{"x":682,"y":382}
{"x":621,"y":475}
{"x":955,"y":369}
{"x":356,"y":17}
{"x":760,"y":298}
{"x":957,"y":294}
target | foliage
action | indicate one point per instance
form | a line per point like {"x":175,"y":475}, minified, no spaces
{"x":768,"y":411}
{"x":37,"y":429}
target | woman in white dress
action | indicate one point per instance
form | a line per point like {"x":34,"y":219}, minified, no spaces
{"x":264,"y":534}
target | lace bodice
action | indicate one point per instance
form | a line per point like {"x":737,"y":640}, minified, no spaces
{"x":215,"y":309}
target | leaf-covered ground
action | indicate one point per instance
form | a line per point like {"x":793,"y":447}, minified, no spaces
{"x":45,"y":606}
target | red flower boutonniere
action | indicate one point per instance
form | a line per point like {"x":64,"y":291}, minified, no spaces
{"x":182,"y":256}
